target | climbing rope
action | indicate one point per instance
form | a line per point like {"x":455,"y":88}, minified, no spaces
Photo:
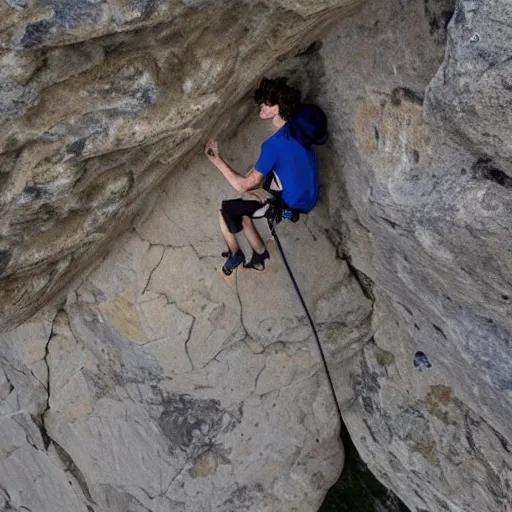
{"x":311,"y":323}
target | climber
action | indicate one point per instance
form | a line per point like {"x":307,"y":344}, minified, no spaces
{"x":284,"y":176}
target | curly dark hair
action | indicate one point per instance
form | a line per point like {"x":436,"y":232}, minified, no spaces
{"x":275,"y":91}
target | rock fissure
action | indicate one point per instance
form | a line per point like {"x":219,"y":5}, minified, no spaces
{"x":364,"y":282}
{"x":73,"y":469}
{"x":41,"y":420}
{"x":485,"y":168}
{"x":258,"y":377}
{"x":189,"y":337}
{"x":174,"y":478}
{"x":27,"y":438}
{"x":152,"y":272}
{"x":67,"y":460}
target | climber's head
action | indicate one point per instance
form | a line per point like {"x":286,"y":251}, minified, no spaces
{"x":274,"y":97}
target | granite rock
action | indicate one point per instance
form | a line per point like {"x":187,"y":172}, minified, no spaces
{"x":158,"y":384}
{"x":99,"y":101}
{"x":420,"y":205}
{"x":155,"y":383}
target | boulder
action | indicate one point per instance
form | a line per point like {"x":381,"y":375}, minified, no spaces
{"x":158,"y":384}
{"x":423,"y":209}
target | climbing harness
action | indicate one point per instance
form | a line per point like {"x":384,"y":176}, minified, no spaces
{"x":311,"y":323}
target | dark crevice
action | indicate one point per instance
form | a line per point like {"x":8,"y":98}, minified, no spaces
{"x":363,"y":280}
{"x":358,"y":490}
{"x":485,"y":168}
{"x":72,"y":468}
{"x":502,"y":440}
{"x":400,"y":94}
{"x":406,"y":308}
{"x":189,"y":336}
{"x":314,"y":47}
{"x":498,"y":177}
{"x":10,"y":384}
{"x":5,"y":259}
{"x":438,"y":15}
{"x":439,"y":330}
{"x":468,"y":421}
{"x":39,"y":421}
{"x":389,"y":222}
{"x":153,"y":271}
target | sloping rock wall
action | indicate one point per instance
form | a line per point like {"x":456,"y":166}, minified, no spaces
{"x":98,"y":102}
{"x":423,"y":204}
{"x":156,"y":385}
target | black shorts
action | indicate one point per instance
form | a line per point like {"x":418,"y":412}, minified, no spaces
{"x":234,"y":209}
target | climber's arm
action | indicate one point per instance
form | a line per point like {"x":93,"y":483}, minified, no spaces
{"x":240,"y":183}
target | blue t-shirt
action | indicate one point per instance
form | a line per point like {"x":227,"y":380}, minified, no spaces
{"x":295,"y":165}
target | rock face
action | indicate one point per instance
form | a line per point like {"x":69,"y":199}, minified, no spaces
{"x":154,"y":384}
{"x":157,"y":385}
{"x":98,"y":102}
{"x":471,"y":95}
{"x":422,"y":157}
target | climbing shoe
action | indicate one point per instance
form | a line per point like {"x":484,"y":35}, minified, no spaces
{"x":292,"y":215}
{"x":257,"y":261}
{"x":233,"y":261}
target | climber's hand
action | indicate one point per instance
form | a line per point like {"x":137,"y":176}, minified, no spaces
{"x":212,"y":151}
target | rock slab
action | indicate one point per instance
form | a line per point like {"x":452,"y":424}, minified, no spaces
{"x":157,"y":384}
{"x":420,"y":189}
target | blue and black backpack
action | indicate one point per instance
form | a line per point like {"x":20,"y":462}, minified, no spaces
{"x":309,"y":126}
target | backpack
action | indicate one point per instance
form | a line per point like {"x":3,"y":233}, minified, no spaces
{"x":309,"y":126}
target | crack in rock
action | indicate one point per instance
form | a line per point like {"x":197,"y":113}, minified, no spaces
{"x":189,"y":337}
{"x":73,"y":469}
{"x":153,"y":271}
{"x":71,"y":466}
{"x":41,"y":420}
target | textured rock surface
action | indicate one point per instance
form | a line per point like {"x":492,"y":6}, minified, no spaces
{"x":471,"y":96}
{"x":158,"y":385}
{"x":153,"y":384}
{"x":425,"y":211}
{"x":99,"y":100}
